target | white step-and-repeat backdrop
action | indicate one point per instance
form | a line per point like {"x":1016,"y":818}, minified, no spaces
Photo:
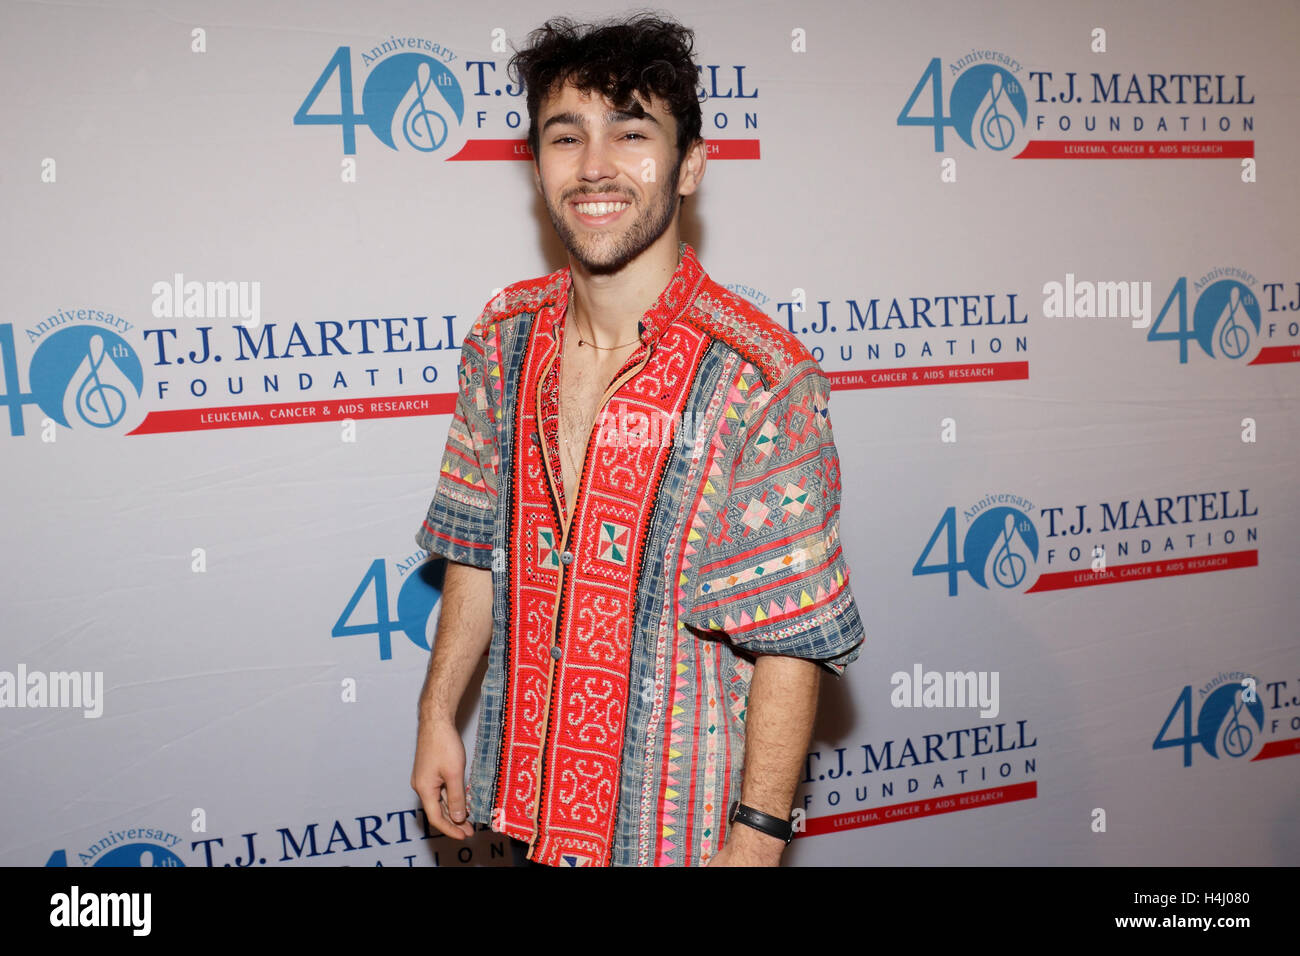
{"x":1047,"y":254}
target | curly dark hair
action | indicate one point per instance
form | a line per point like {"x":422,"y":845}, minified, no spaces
{"x":642,"y":53}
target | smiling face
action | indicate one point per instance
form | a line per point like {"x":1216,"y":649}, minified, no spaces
{"x":610,"y":178}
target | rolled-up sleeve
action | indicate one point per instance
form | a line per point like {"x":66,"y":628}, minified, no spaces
{"x":461,"y":519}
{"x":771,"y":572}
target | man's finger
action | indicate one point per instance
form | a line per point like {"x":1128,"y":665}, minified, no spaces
{"x":455,"y":793}
{"x":435,"y":813}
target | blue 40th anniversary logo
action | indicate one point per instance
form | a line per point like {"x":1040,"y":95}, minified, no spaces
{"x":1223,"y":725}
{"x":1225,"y":320}
{"x":999,"y":549}
{"x":80,"y":375}
{"x":1233,"y":719}
{"x":136,"y":846}
{"x":985,"y":104}
{"x":410,"y":96}
{"x":1228,"y":313}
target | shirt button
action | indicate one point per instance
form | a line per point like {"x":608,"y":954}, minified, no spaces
{"x":555,"y":653}
{"x":567,"y":557}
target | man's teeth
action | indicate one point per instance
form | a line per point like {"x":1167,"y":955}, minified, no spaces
{"x":600,"y":208}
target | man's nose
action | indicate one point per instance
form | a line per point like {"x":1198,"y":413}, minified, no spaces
{"x":597,"y":161}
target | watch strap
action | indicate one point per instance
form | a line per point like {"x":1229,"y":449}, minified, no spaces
{"x":773,"y":826}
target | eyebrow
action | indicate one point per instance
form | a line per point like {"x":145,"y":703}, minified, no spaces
{"x":611,"y":117}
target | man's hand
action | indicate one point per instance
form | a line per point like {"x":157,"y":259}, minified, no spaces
{"x":464,"y":630}
{"x":746,"y":846}
{"x":439,"y":776}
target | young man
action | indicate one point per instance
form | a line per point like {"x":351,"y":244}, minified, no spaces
{"x":639,"y":506}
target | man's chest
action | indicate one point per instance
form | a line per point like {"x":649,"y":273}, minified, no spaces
{"x":591,"y":436}
{"x":584,"y":386}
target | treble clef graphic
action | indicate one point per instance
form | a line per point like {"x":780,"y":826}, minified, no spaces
{"x":1008,"y":567}
{"x":99,"y":403}
{"x":1237,"y":737}
{"x":417,"y":124}
{"x":996,"y":129}
{"x":1234,"y":337}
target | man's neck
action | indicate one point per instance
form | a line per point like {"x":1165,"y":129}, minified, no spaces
{"x":608,"y":307}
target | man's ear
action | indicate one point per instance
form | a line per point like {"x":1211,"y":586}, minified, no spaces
{"x":693,"y":167}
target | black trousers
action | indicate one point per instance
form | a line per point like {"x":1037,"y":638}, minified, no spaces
{"x":519,"y":849}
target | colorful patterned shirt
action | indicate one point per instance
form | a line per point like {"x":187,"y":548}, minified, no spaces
{"x":704,"y":531}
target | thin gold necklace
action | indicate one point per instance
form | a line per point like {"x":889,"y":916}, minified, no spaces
{"x":603,"y":348}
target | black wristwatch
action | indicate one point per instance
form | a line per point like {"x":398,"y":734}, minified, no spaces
{"x":773,"y":826}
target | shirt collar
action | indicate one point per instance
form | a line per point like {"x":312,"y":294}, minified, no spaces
{"x":675,"y":299}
